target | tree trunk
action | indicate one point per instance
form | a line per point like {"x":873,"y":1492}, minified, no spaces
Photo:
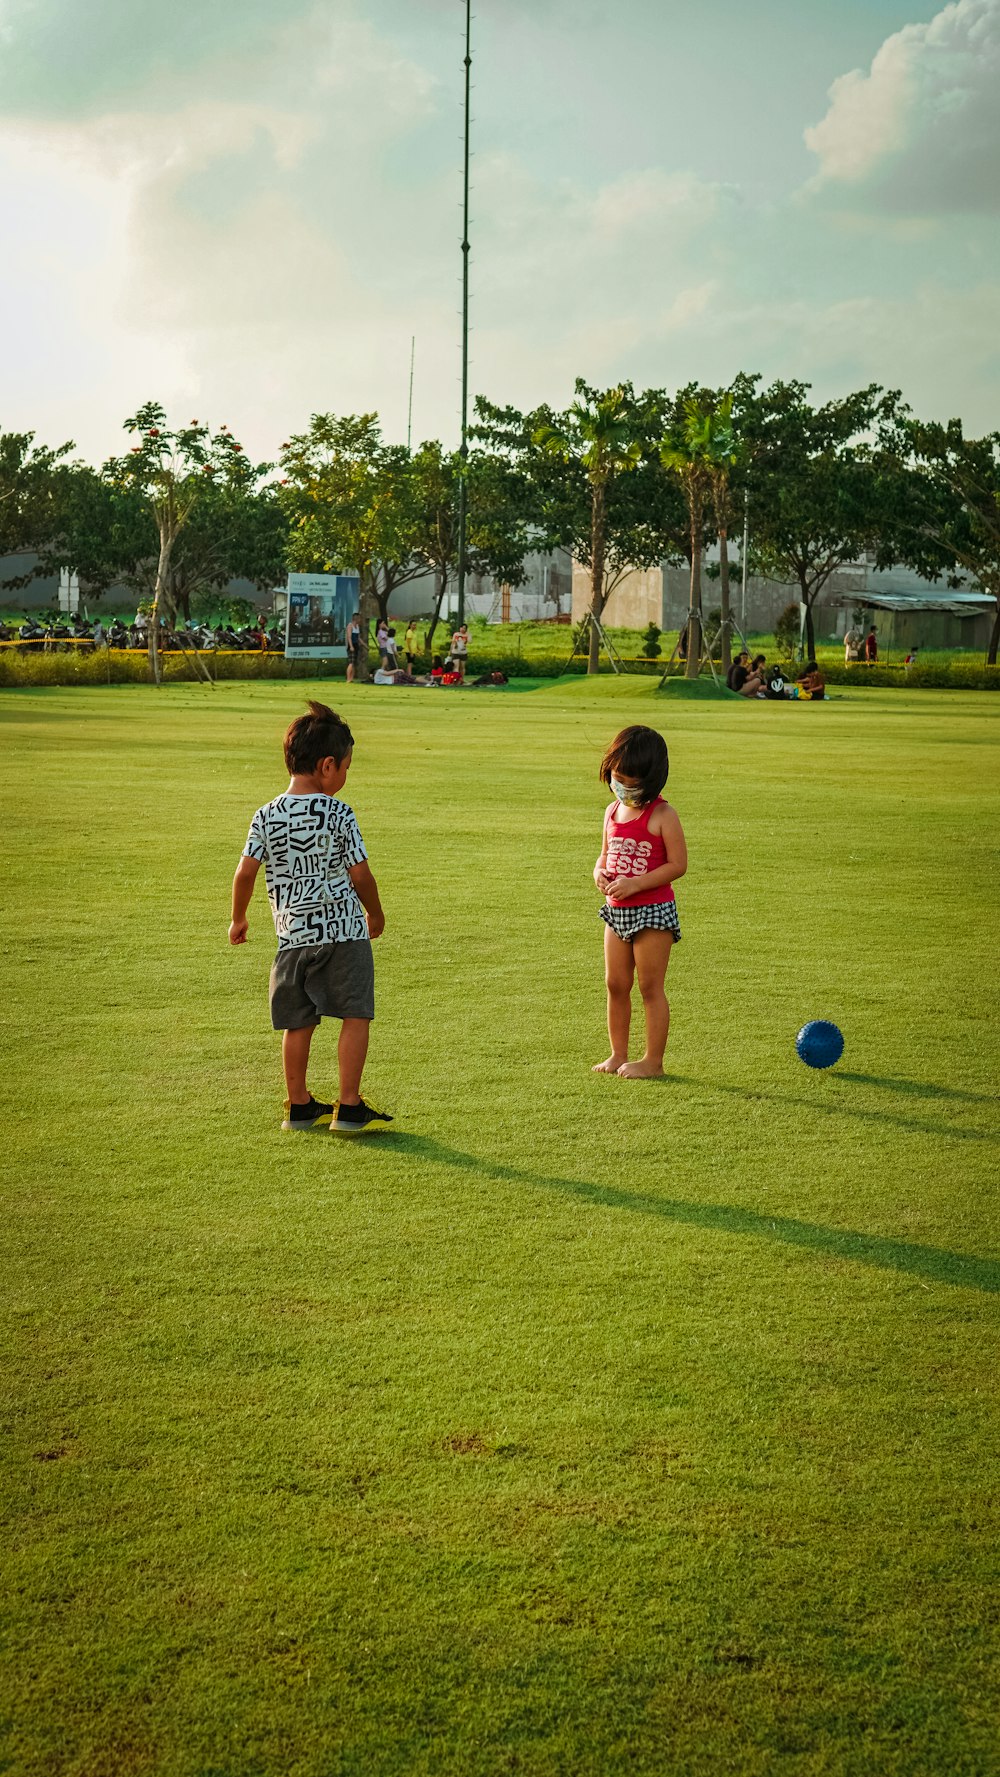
{"x":994,"y":642}
{"x":810,"y":630}
{"x":597,"y":554}
{"x":161,"y":595}
{"x":693,"y":664}
{"x":367,"y":608}
{"x":727,"y":653}
{"x":441,"y":575}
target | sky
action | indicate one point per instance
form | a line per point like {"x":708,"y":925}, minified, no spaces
{"x":246,"y":209}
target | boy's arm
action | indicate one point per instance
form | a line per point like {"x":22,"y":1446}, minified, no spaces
{"x":367,"y":892}
{"x":243,"y":887}
{"x":672,"y":834}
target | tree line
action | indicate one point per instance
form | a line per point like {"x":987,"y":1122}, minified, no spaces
{"x":621,"y":478}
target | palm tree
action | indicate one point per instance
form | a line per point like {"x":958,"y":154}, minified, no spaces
{"x":720,"y":455}
{"x":600,"y":432}
{"x":700,"y":452}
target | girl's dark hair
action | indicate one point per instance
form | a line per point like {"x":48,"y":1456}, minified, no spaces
{"x":320,"y":735}
{"x":638,"y":752}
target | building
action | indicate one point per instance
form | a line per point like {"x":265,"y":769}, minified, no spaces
{"x":916,"y":612}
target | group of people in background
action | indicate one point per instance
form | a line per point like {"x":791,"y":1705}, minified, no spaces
{"x":858,"y":647}
{"x":447,"y":669}
{"x":752,"y":677}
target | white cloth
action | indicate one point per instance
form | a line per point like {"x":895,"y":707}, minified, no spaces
{"x":307,"y":844}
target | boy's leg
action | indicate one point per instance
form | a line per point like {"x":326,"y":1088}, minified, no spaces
{"x":295,"y":1057}
{"x":619,"y":971}
{"x":352,"y":1050}
{"x":652,"y":954}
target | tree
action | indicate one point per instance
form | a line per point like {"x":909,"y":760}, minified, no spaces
{"x":603,"y":435}
{"x":498,"y":531}
{"x":30,"y":479}
{"x":699,"y":451}
{"x":352,"y":508}
{"x":586,"y":480}
{"x":174,"y":470}
{"x":822,"y":488}
{"x":953,"y":513}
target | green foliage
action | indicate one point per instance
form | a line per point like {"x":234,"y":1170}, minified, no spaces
{"x":31,"y":478}
{"x":651,"y":641}
{"x":787,"y":631}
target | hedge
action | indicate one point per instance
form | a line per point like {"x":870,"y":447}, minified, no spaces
{"x":116,"y":667}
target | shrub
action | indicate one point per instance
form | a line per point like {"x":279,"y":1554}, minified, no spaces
{"x":651,"y":642}
{"x":787,"y":631}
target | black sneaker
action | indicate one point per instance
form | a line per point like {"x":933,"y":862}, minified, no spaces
{"x":307,"y":1116}
{"x":353,"y":1119}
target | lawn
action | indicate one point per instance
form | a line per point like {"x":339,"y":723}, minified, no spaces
{"x":577,"y":1426}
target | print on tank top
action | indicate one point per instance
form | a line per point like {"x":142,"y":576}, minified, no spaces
{"x":632,"y":850}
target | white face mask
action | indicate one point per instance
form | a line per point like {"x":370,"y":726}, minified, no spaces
{"x":627,"y":793}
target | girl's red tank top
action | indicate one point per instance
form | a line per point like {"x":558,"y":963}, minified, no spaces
{"x":631,"y":849}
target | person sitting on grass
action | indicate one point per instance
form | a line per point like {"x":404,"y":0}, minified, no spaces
{"x":811,"y":682}
{"x":326,"y":910}
{"x":437,"y":670}
{"x":746,"y":677}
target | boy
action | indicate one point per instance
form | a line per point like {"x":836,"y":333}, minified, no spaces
{"x":326,"y":911}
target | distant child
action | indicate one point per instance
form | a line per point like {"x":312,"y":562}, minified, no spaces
{"x":391,"y":662}
{"x":643,"y":854}
{"x":326,"y":911}
{"x":411,"y":645}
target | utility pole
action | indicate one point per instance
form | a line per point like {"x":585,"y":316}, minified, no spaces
{"x":746,"y":539}
{"x":409,"y":411}
{"x":464,"y":448}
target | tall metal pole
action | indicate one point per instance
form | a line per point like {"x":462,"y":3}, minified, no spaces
{"x":409,"y":411}
{"x":464,"y":449}
{"x":746,"y":538}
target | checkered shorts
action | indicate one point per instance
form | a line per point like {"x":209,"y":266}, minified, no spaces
{"x":658,"y":916}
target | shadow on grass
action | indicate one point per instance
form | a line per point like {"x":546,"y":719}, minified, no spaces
{"x":912,"y":1125}
{"x":964,"y":1270}
{"x":916,"y":1088}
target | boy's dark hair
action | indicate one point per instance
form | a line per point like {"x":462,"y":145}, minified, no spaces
{"x":638,"y":752}
{"x":320,"y":735}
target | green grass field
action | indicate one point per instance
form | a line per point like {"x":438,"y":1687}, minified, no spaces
{"x":577,"y":1426}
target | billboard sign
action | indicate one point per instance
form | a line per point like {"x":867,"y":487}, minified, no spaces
{"x":320,"y":606}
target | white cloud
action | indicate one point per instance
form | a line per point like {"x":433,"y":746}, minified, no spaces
{"x":919,"y":133}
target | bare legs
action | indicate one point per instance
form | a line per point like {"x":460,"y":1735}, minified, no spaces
{"x":647,"y":958}
{"x":351,"y":1052}
{"x":295,"y":1056}
{"x":619,"y":972}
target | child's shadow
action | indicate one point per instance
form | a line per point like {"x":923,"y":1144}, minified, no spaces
{"x":962,"y":1270}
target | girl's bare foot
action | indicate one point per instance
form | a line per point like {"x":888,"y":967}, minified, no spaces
{"x":613,"y":1065}
{"x":641,"y":1070}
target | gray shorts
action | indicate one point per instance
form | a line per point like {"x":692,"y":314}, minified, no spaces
{"x":314,"y":981}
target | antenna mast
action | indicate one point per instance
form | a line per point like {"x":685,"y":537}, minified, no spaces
{"x":464,"y":449}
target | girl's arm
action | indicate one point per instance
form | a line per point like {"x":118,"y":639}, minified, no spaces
{"x":601,"y":876}
{"x":672,"y":833}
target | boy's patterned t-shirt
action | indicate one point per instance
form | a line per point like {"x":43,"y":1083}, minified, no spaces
{"x":307,"y":844}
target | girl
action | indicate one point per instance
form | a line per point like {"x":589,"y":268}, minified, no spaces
{"x":643,"y":854}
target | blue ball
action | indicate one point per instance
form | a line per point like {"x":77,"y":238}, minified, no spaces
{"x":819,"y":1043}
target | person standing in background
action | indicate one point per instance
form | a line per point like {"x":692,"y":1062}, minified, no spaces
{"x":852,"y":645}
{"x":353,"y":646}
{"x":460,"y":649}
{"x":411,"y":645}
{"x":871,"y":647}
